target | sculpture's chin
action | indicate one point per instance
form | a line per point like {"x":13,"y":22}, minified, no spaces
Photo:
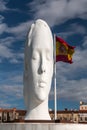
{"x":40,"y":97}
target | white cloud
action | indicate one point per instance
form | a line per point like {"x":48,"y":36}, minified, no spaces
{"x":3,"y":28}
{"x":5,"y":52}
{"x":1,"y":18}
{"x":0,"y":61}
{"x":11,"y":91}
{"x":4,"y":104}
{"x":14,"y":61}
{"x":8,"y":53}
{"x":3,"y":5}
{"x":7,"y":41}
{"x":80,"y":59}
{"x":73,"y":89}
{"x":59,"y":11}
{"x":77,"y":28}
{"x":15,"y":78}
{"x":10,"y":95}
{"x":85,"y":42}
{"x":75,"y":70}
{"x":20,"y":31}
{"x":73,"y":29}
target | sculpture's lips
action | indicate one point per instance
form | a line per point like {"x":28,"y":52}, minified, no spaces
{"x":42,"y":84}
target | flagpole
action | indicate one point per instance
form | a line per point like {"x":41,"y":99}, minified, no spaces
{"x":55,"y":98}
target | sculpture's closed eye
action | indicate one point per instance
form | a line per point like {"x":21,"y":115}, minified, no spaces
{"x":35,"y":56}
{"x":48,"y":56}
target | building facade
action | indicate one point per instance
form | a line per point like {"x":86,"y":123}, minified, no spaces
{"x":11,"y":115}
{"x":65,"y":116}
{"x":83,"y":106}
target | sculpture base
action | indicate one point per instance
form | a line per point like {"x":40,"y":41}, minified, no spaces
{"x":42,"y":126}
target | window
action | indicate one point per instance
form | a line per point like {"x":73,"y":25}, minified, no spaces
{"x":81,"y":118}
{"x":85,"y":118}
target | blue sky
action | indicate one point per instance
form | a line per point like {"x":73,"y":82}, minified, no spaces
{"x":67,"y":18}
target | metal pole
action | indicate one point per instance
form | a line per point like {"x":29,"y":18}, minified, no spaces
{"x":55,"y":99}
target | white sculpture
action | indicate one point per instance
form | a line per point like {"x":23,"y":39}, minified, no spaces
{"x":38,"y":70}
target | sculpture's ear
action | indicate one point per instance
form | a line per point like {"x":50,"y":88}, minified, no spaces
{"x":30,"y":33}
{"x":27,"y":45}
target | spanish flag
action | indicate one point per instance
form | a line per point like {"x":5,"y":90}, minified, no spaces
{"x":64,"y":51}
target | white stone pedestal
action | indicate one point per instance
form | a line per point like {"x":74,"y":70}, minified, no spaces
{"x":42,"y":126}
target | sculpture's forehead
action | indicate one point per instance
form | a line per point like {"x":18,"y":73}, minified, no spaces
{"x":41,"y":29}
{"x":42,"y":40}
{"x":42,"y":35}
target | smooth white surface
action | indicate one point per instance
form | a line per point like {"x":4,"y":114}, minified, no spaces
{"x":38,"y":70}
{"x":43,"y":126}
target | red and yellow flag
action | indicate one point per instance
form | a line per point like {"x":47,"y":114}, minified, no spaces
{"x":64,"y":51}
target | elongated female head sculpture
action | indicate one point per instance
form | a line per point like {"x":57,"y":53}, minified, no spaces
{"x":38,"y":70}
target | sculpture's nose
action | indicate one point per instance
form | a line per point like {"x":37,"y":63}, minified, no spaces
{"x":42,"y":67}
